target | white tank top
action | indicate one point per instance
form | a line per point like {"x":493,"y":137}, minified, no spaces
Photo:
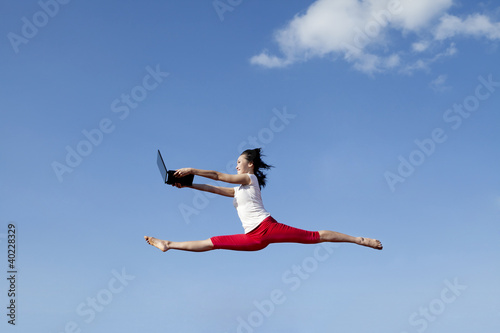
{"x":248,"y":203}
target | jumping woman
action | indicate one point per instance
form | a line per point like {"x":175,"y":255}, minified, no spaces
{"x":260,"y":228}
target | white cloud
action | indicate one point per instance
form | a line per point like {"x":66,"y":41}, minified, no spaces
{"x":418,"y":14}
{"x":420,"y":46}
{"x":266,"y":60}
{"x":439,"y":83}
{"x":417,"y":65}
{"x":360,"y":32}
{"x":475,"y":25}
{"x":424,"y":63}
{"x":370,"y":63}
{"x":393,"y":61}
{"x":332,"y":26}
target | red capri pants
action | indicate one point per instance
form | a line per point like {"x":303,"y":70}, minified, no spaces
{"x":269,"y":231}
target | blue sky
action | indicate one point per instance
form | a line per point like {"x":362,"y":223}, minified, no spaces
{"x":380,"y":117}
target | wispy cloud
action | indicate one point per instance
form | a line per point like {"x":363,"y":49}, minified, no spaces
{"x":424,"y":63}
{"x":475,"y":25}
{"x":420,"y":46}
{"x":439,"y":84}
{"x":362,"y":33}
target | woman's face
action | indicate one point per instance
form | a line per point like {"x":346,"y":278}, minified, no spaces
{"x":243,"y":166}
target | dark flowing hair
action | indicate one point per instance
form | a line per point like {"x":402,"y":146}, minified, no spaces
{"x":255,"y":156}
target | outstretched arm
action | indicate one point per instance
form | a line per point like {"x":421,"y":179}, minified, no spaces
{"x":243,"y":179}
{"x":225,"y":191}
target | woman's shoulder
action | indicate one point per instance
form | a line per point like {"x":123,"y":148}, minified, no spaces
{"x":254,"y":180}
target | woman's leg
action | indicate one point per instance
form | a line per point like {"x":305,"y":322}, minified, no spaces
{"x":239,"y":242}
{"x":276,"y":232}
{"x":194,"y":246}
{"x":273,"y":232}
{"x":333,"y":236}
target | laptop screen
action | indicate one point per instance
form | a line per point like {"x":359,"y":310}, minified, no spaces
{"x":161,"y":166}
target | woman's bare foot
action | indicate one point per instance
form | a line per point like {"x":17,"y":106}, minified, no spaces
{"x":158,"y":243}
{"x":373,"y":243}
